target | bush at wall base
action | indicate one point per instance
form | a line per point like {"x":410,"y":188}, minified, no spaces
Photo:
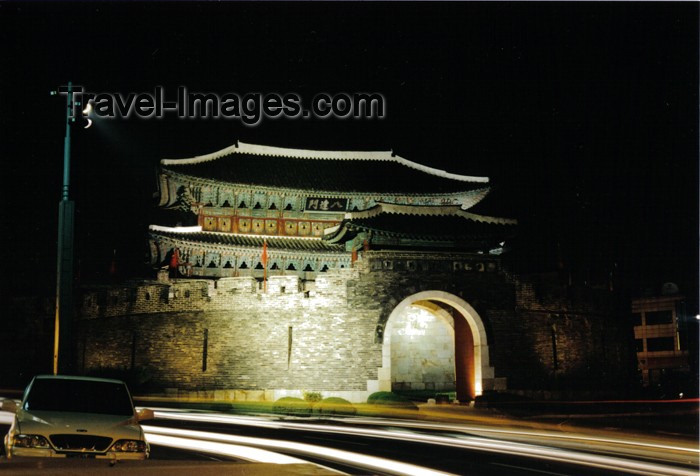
{"x":292,"y":406}
{"x":335,"y":406}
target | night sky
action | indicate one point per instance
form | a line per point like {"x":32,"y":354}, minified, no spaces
{"x":584,"y":115}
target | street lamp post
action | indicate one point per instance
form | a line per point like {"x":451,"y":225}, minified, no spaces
{"x":64,"y":270}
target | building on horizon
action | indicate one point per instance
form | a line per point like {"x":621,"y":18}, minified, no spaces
{"x":661,"y":349}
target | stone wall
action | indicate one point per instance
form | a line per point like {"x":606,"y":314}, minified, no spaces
{"x":422,"y":351}
{"x":326,"y":336}
{"x":571,"y":339}
{"x":230,"y":334}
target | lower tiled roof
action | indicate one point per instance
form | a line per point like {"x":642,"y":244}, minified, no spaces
{"x":425,"y":227}
{"x":250,"y":241}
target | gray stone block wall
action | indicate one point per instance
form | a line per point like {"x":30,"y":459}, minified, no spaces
{"x":327,"y":335}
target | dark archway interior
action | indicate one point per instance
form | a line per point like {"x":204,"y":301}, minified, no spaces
{"x":464,"y":359}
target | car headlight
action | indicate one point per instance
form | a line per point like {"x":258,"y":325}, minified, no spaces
{"x":129,"y":446}
{"x":30,"y":441}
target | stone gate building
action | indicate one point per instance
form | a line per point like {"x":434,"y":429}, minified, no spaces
{"x":340,"y":272}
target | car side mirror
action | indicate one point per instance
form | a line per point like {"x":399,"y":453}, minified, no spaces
{"x":9,"y":406}
{"x":145,"y":414}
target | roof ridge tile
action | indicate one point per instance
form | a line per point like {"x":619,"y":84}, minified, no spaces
{"x":271,"y":151}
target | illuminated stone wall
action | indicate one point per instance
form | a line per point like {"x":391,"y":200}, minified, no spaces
{"x":326,"y":335}
{"x":422,"y":348}
{"x":231,"y":334}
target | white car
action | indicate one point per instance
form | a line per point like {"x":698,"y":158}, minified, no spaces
{"x":63,"y":416}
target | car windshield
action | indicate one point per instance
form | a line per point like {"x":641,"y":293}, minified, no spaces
{"x":85,"y":396}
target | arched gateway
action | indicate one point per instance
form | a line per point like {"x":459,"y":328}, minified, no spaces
{"x":337,"y":264}
{"x":419,"y":353}
{"x":329,"y":210}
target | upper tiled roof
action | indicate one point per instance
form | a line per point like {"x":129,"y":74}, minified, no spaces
{"x":333,"y":171}
{"x":195,"y":235}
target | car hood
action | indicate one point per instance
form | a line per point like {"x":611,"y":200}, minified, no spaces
{"x":47,"y":423}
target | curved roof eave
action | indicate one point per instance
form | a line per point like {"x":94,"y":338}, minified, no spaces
{"x":422,"y":210}
{"x":195,"y":236}
{"x":254,"y":149}
{"x":478,"y":193}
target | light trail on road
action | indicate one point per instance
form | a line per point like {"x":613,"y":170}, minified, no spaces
{"x":528,"y":433}
{"x":466,"y":442}
{"x":209,"y":442}
{"x":262,"y":423}
{"x":248,"y":453}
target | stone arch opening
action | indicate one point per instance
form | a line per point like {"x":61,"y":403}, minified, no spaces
{"x":454,"y":340}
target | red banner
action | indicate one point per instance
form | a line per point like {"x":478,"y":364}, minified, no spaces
{"x":263,"y":258}
{"x":264,"y":254}
{"x":175,"y":259}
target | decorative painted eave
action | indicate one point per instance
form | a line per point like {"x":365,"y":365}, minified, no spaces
{"x":262,"y":150}
{"x":475,"y":195}
{"x":416,"y":210}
